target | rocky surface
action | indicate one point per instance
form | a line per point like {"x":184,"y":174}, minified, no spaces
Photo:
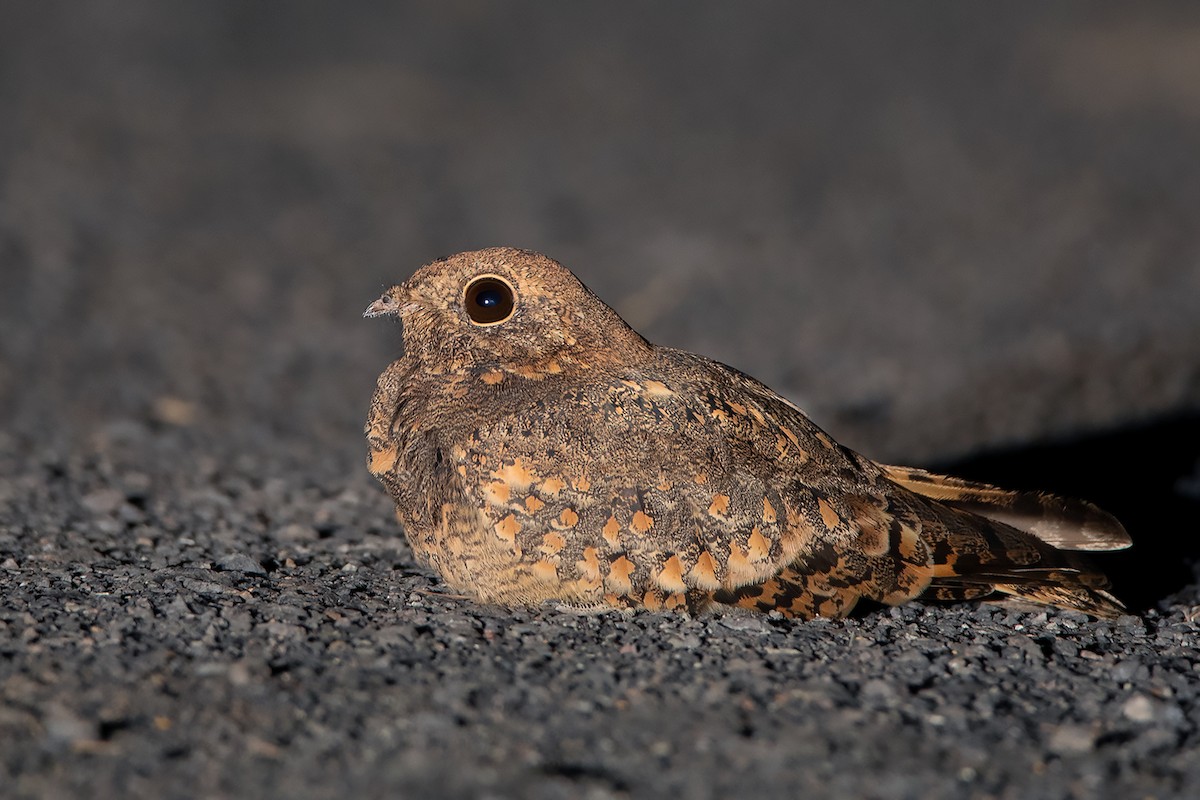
{"x":940,"y":231}
{"x":258,"y":628}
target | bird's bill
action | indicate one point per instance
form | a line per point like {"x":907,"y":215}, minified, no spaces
{"x":394,"y":301}
{"x":379,"y":308}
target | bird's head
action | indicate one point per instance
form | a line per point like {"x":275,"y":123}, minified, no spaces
{"x":510,"y":308}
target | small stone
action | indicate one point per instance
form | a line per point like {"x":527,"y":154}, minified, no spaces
{"x":1071,"y":739}
{"x":65,"y":728}
{"x":878,"y":691}
{"x":745,"y":623}
{"x":1138,"y":708}
{"x":103,"y":501}
{"x":297,"y":533}
{"x":1127,"y":669}
{"x":172,"y":410}
{"x":240,"y":562}
{"x":687,"y":641}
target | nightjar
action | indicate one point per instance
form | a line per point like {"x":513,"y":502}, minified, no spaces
{"x":539,"y":449}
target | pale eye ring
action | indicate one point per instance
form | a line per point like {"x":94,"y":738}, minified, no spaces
{"x":489,"y":300}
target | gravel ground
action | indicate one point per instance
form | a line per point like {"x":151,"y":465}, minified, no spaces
{"x":945,"y":230}
{"x":257,"y":628}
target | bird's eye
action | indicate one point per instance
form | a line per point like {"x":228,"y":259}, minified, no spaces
{"x":489,"y":300}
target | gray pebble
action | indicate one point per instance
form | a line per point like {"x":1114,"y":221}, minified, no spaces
{"x":240,"y":562}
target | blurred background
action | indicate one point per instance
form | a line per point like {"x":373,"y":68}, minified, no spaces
{"x":940,"y":228}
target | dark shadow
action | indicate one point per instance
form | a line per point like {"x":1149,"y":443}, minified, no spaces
{"x":1147,"y":475}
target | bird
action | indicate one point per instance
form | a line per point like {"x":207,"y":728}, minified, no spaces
{"x":540,"y":450}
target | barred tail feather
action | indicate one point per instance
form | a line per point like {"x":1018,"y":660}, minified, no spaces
{"x":1063,"y":522}
{"x":975,"y":556}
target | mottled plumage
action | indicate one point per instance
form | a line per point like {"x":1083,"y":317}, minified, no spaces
{"x":539,"y":449}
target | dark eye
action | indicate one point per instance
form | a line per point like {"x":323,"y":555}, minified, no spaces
{"x":488,"y":300}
